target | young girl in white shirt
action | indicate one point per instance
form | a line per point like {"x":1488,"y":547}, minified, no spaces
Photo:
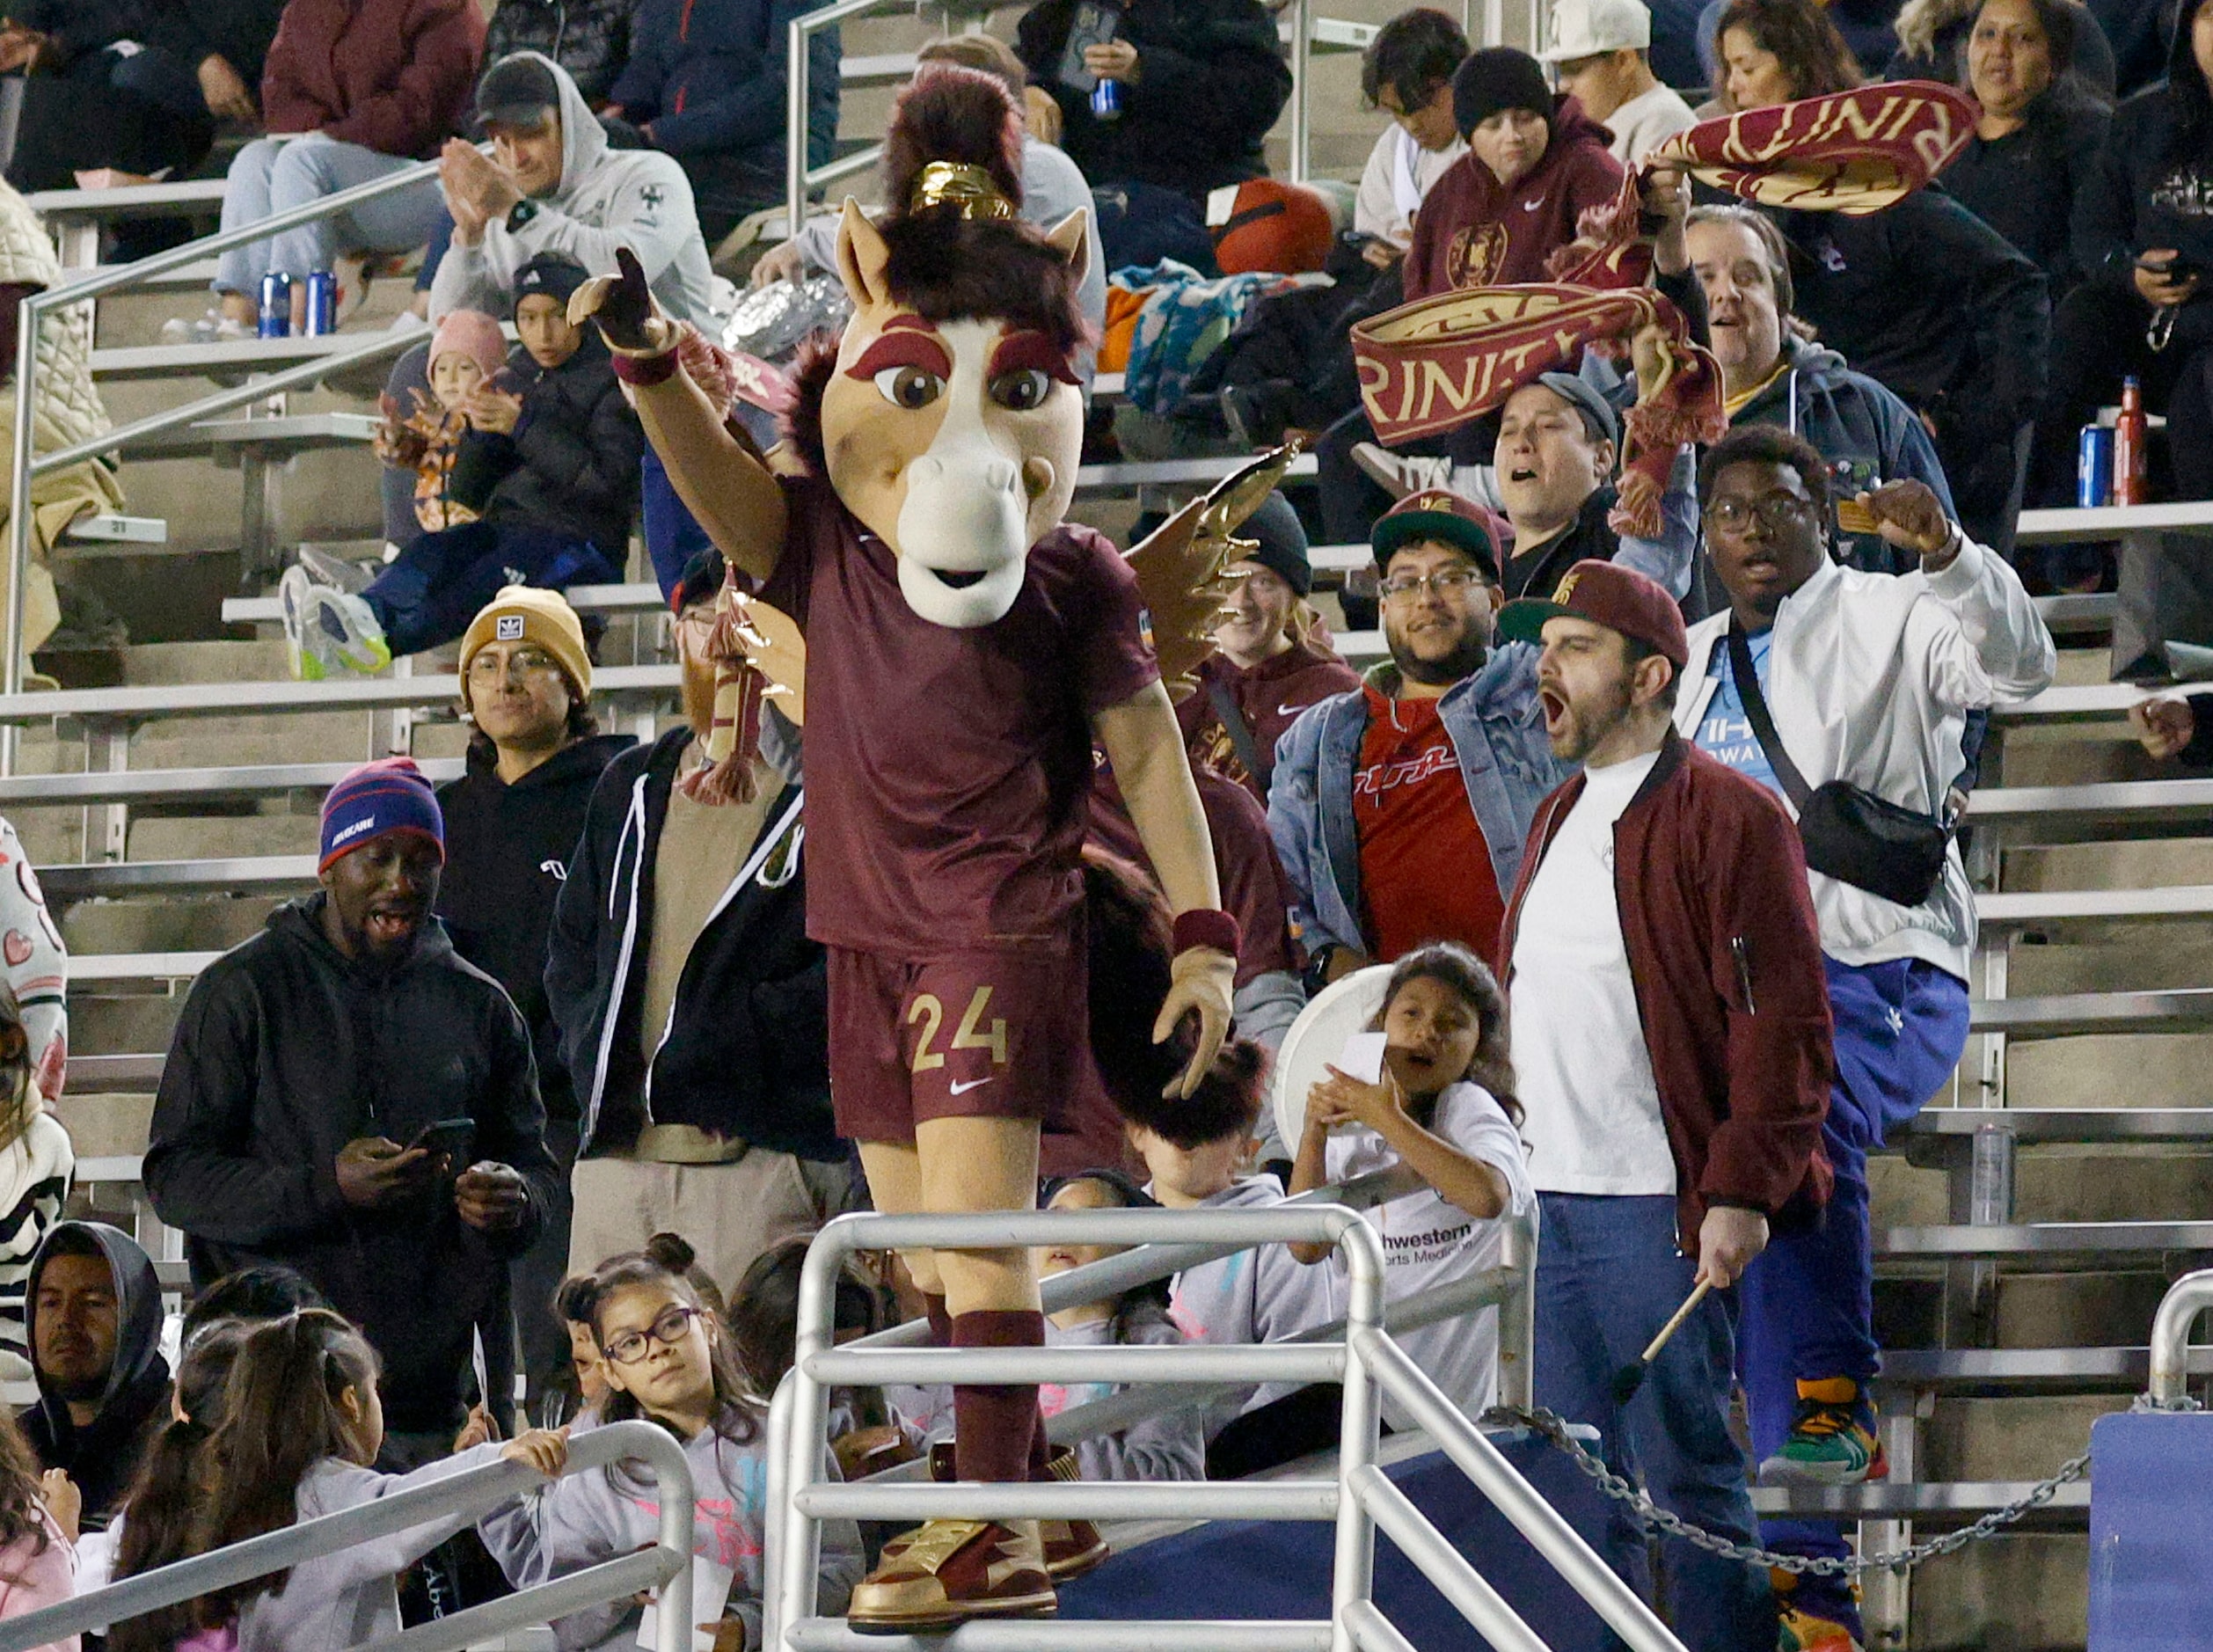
{"x":1446,"y":1108}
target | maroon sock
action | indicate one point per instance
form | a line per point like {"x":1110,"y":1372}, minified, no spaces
{"x":995,"y":1425}
{"x":940,"y":1319}
{"x":1040,"y":1451}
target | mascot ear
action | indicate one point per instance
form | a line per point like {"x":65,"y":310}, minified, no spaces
{"x":1071,"y":237}
{"x":861,"y":258}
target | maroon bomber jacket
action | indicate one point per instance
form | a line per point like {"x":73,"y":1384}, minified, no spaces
{"x":1725,"y":952}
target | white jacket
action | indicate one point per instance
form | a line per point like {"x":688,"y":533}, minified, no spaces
{"x":606,"y":198}
{"x":1870,"y":676}
{"x":68,"y":409}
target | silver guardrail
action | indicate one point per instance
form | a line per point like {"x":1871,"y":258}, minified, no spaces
{"x":27,"y":465}
{"x":666,"y":1566}
{"x":1361,"y":1497}
{"x":2187,"y":1297}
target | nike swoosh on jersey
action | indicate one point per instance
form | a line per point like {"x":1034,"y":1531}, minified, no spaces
{"x":966,"y":1085}
{"x":1532,"y":205}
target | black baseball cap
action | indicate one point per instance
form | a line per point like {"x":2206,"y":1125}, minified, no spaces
{"x":1599,"y":417}
{"x":518,"y":91}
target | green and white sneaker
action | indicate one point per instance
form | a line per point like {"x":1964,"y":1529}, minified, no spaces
{"x":1832,"y":1443}
{"x":323,"y":627}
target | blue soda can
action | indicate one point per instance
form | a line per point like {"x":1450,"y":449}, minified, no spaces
{"x":1106,"y":100}
{"x":2093,"y":467}
{"x":322,"y":303}
{"x":276,"y":306}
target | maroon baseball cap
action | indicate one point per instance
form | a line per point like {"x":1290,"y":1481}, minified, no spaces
{"x":1450,"y":518}
{"x":1606,"y":594}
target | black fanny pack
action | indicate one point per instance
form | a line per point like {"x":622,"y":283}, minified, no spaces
{"x":1849,"y":834}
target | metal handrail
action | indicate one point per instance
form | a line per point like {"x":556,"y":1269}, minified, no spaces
{"x":666,"y":1566}
{"x":798,"y":1417}
{"x":803,"y":28}
{"x":27,"y":465}
{"x":2187,"y":1297}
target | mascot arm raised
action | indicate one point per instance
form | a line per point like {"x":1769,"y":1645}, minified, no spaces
{"x":1145,"y":747}
{"x":730,"y":493}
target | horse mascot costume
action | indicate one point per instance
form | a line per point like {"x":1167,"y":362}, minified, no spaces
{"x":965,"y":648}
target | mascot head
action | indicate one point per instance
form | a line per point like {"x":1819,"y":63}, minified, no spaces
{"x":950,"y":420}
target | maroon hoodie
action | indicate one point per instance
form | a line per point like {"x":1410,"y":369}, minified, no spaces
{"x":1271,"y":696}
{"x":1471,"y":232}
{"x":392,"y":76}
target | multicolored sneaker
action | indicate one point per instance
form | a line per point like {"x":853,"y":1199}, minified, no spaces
{"x":295,"y":591}
{"x":323,"y":627}
{"x":1801,"y":1631}
{"x":947,"y":1572}
{"x":1832,"y":1443}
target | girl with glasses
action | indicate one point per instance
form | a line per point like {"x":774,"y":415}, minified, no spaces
{"x":667,"y":1358}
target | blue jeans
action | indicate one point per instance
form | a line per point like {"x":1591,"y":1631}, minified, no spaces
{"x":1608,"y":1276}
{"x":435,"y":587}
{"x":272,"y":175}
{"x":673,"y":539}
{"x":1807,"y":1300}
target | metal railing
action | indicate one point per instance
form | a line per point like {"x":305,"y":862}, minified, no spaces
{"x":27,"y":465}
{"x":2187,"y":1297}
{"x":1359,"y":1499}
{"x":666,"y":1566}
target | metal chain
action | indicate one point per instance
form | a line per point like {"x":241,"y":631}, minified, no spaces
{"x":1551,"y":1427}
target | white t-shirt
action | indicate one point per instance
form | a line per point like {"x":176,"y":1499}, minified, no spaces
{"x":1428,"y":1241}
{"x":1646,"y":122}
{"x":1392,"y":186}
{"x":1580,"y":1060}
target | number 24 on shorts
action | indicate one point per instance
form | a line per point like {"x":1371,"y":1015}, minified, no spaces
{"x":928,"y":1007}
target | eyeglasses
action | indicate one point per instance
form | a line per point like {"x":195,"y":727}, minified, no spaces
{"x":1775,"y":511}
{"x":487,"y":667}
{"x":1450,"y":583}
{"x":673,"y":1325}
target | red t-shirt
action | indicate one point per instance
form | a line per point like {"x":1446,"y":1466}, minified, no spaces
{"x":1425,"y":868}
{"x":948,"y":772}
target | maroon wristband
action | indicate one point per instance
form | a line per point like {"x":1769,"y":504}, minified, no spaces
{"x":645,"y":370}
{"x":1203,"y":927}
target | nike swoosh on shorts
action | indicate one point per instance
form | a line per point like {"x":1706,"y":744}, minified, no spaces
{"x":966,"y":1085}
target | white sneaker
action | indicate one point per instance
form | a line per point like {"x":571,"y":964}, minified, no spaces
{"x":334,"y":571}
{"x":1399,"y":474}
{"x":323,"y":627}
{"x":212,"y":328}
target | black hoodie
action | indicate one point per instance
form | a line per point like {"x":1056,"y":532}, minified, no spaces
{"x":2152,"y":187}
{"x":103,"y":1456}
{"x":508,"y":850}
{"x":286,"y":1050}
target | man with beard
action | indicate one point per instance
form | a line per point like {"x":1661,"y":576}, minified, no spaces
{"x":1671,"y":1040}
{"x":1398,"y":808}
{"x":346,"y":1096}
{"x":693,"y":1010}
{"x":93,"y":1313}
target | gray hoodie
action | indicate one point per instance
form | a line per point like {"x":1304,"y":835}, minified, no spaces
{"x":1170,"y":1446}
{"x":349,"y":1599}
{"x":606,"y":198}
{"x":602,"y":1513}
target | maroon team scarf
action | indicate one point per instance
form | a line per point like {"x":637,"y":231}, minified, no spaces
{"x":1438,"y":362}
{"x":1435,"y":363}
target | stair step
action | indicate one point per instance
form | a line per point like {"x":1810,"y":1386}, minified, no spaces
{"x":108,"y":528}
{"x":1971,"y":1371}
{"x":2045,"y":1239}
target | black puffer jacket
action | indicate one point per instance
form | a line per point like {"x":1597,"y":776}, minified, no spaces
{"x":1210,"y":82}
{"x":286,"y":1050}
{"x":572,"y":462}
{"x":588,"y":38}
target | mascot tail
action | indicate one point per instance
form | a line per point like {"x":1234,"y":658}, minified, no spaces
{"x":1131,"y":948}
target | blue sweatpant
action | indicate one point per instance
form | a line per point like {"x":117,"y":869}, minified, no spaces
{"x":435,"y":587}
{"x":1807,"y":1300}
{"x":1608,"y":1276}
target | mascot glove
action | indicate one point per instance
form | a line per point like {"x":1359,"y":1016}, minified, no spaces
{"x":1200,"y":980}
{"x":622,"y":304}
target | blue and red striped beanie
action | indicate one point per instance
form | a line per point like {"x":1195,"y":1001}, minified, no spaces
{"x":389,"y":795}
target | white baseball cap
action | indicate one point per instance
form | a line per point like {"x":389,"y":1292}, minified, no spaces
{"x":1585,"y":28}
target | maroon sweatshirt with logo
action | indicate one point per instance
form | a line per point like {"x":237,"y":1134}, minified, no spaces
{"x":1473,"y":233}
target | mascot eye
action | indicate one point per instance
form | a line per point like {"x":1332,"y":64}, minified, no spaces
{"x":1024,"y":390}
{"x":910,"y":387}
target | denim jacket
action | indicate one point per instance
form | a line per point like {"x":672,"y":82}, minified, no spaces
{"x":1496,"y":727}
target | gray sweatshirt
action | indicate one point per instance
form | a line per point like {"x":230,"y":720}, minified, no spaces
{"x":602,"y":1513}
{"x":1171,"y":1446}
{"x":349,"y":1599}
